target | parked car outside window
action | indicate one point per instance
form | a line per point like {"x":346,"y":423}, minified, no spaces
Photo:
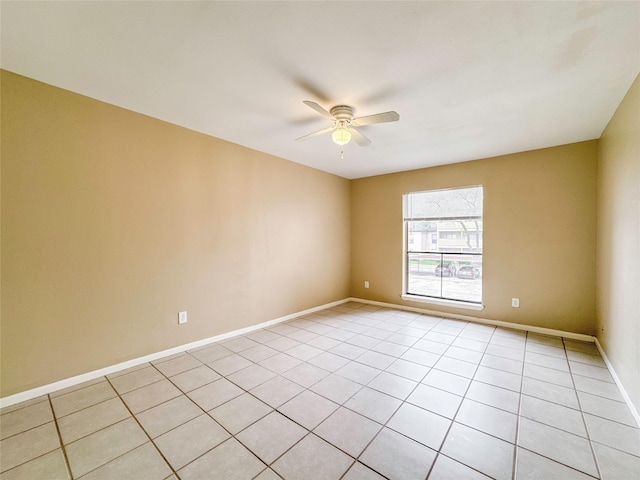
{"x":469,"y":271}
{"x":446,"y":270}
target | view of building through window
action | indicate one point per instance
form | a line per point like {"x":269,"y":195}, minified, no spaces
{"x":443,"y":250}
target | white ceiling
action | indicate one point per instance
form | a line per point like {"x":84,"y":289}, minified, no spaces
{"x":469,"y":80}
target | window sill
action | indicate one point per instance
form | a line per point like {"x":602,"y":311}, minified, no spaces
{"x":444,"y":303}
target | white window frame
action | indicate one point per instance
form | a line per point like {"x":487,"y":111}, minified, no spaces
{"x":405,"y":264}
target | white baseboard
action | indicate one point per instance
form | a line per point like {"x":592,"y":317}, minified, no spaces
{"x":85,"y":377}
{"x":625,"y":395}
{"x":498,"y":323}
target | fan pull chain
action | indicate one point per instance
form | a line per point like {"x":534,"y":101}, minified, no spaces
{"x":342,"y":152}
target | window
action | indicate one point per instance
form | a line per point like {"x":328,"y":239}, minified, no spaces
{"x":450,"y":235}
{"x":450,"y":266}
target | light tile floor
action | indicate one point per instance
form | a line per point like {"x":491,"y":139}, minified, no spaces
{"x":352,"y":392}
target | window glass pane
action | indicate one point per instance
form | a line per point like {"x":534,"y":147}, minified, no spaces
{"x":464,"y":236}
{"x":421,"y":274}
{"x":443,"y":204}
{"x":461,"y":279}
{"x":444,"y":243}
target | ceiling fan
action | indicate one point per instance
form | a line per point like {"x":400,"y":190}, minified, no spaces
{"x":344,"y":123}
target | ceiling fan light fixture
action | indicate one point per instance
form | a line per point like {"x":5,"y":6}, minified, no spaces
{"x":341,"y":136}
{"x":345,"y":125}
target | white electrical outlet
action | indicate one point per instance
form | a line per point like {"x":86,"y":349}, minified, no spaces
{"x":366,"y":284}
{"x":515,"y":302}
{"x":182,"y":317}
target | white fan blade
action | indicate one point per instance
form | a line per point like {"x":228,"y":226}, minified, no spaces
{"x":319,"y":132}
{"x":359,"y":138}
{"x":318,"y":109}
{"x":377,"y":118}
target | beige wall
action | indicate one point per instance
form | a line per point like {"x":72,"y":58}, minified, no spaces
{"x":618,"y":256}
{"x":112,"y":222}
{"x":539,"y":234}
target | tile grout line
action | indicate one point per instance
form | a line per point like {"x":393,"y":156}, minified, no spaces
{"x":444,"y":439}
{"x":343,"y":405}
{"x":441,"y":319}
{"x":417,"y":384}
{"x":453,"y":419}
{"x":584,"y":421}
{"x":556,"y":428}
{"x":519,"y":416}
{"x":143,"y":430}
{"x":384,"y":425}
{"x":231,"y":435}
{"x":579,"y":409}
{"x":274,"y":410}
{"x":478,"y":364}
{"x":62,"y":445}
{"x":87,"y":408}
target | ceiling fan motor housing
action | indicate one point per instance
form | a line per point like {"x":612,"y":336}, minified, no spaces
{"x":342,"y":112}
